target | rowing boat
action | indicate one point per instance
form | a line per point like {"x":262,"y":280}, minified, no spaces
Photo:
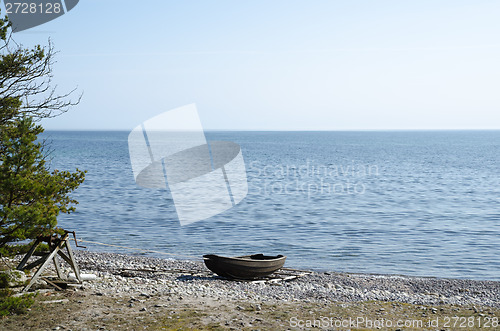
{"x":244,"y":267}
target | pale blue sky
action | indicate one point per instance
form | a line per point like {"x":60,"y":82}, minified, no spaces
{"x":280,"y":65}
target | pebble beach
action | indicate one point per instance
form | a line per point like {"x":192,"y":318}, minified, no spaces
{"x":136,"y":292}
{"x":124,"y":275}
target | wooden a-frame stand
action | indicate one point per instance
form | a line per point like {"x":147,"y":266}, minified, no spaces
{"x":56,"y":246}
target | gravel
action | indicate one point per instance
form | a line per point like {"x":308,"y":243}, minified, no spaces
{"x":132,"y":276}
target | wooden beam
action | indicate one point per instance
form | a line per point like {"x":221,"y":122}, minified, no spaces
{"x":51,"y":283}
{"x":29,"y":254}
{"x":72,"y":259}
{"x":35,"y":264}
{"x":64,"y":256}
{"x":58,"y":268}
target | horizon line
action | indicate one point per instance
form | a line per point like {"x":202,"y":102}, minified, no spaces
{"x":290,"y":130}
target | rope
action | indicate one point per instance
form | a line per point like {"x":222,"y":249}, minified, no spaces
{"x":139,"y":249}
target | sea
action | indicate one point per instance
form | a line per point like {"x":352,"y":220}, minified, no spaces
{"x":420,"y":203}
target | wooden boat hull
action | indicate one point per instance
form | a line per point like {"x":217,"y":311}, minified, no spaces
{"x":244,"y":267}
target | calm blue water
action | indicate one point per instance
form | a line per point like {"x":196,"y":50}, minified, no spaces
{"x":415,"y":203}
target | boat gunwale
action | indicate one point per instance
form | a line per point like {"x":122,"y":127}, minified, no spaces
{"x":245,"y":258}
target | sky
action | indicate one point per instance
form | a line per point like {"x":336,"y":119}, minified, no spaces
{"x":279,"y":65}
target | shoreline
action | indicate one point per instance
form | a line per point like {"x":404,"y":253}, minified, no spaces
{"x":317,"y":286}
{"x":147,"y":253}
{"x":132,"y":291}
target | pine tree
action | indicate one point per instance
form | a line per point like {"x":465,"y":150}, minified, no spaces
{"x":31,"y":195}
